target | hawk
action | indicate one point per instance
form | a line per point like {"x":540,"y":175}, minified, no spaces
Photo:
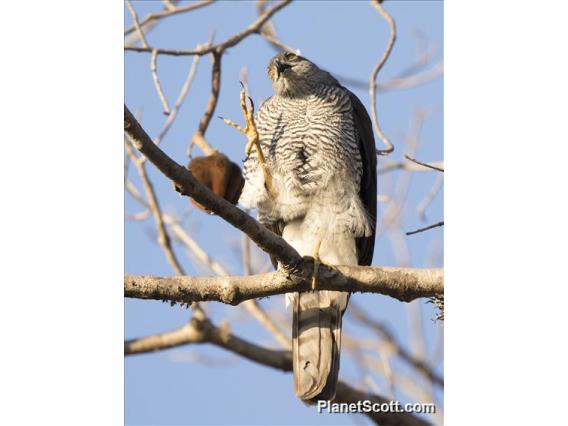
{"x":319,"y":149}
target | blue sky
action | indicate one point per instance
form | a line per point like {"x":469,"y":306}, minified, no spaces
{"x":203,"y":384}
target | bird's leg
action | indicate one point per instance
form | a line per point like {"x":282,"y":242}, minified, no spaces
{"x":251,"y":133}
{"x":316,"y":257}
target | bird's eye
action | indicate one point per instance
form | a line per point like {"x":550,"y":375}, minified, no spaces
{"x":291,"y":56}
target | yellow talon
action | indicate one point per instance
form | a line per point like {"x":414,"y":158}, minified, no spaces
{"x":251,"y":133}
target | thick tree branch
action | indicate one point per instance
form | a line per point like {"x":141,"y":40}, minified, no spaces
{"x":404,"y":284}
{"x":265,"y":239}
{"x":201,"y":330}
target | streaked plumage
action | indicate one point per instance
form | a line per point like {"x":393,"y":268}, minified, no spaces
{"x":318,"y":143}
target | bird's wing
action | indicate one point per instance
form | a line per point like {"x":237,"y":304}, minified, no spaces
{"x":368,"y":189}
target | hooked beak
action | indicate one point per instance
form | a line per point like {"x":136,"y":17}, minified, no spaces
{"x":281,"y":67}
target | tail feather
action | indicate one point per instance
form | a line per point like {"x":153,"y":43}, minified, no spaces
{"x":316,"y":343}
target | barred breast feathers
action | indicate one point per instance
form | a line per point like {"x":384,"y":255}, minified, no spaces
{"x":311,"y":148}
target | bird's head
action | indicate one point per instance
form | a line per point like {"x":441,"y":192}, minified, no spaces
{"x":294,"y":76}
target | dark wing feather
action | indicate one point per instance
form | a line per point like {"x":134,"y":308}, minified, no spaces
{"x":368,"y":190}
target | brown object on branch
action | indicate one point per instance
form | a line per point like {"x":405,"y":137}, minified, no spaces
{"x":405,"y":284}
{"x":220,"y":175}
{"x":188,"y":185}
{"x":201,"y":330}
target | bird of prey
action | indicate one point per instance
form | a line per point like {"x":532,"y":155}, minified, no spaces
{"x":319,"y":154}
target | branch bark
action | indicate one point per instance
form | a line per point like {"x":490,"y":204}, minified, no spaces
{"x":405,"y":284}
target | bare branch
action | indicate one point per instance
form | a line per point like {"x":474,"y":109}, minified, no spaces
{"x":163,"y":236}
{"x":188,"y":185}
{"x":168,"y":11}
{"x":181,"y":97}
{"x":250,"y":305}
{"x":157,"y":84}
{"x":391,"y":218}
{"x":152,"y":204}
{"x":404,"y":284}
{"x":269,"y":32}
{"x":373,"y":79}
{"x":153,"y":59}
{"x":136,"y":23}
{"x":419,"y":364}
{"x":412,"y":81}
{"x":390,"y":166}
{"x":201,"y":330}
{"x":430,"y":166}
{"x":199,"y":136}
{"x":423,"y":205}
{"x":400,"y":82}
{"x":232,"y":41}
{"x":426,"y":228}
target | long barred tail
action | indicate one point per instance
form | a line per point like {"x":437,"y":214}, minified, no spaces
{"x":316,"y":344}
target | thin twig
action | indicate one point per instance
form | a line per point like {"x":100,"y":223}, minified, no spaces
{"x":168,"y":11}
{"x":393,"y":213}
{"x":268,"y":32}
{"x":410,"y":72}
{"x":399,"y":82}
{"x":181,"y":97}
{"x":199,"y":136}
{"x":137,"y":23}
{"x":389,"y":166}
{"x":423,"y":205}
{"x":430,"y":166}
{"x":159,"y":89}
{"x":230,"y":42}
{"x":419,"y":364}
{"x":412,"y":81}
{"x":153,"y":205}
{"x":426,"y":228}
{"x":372,"y":80}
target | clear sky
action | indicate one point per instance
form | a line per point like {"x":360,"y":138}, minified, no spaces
{"x":202,"y":384}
